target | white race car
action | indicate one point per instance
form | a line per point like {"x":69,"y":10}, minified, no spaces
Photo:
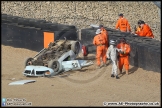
{"x":58,"y":57}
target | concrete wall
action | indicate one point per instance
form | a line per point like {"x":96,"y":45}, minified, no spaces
{"x":82,"y":14}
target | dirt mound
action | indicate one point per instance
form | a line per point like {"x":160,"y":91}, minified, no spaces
{"x":86,"y":87}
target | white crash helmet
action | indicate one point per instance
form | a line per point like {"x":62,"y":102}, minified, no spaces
{"x":98,"y":31}
{"x":112,"y":42}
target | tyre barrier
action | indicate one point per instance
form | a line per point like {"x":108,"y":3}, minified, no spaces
{"x":29,"y":33}
{"x":43,"y":24}
{"x":145,"y":52}
{"x":6,"y":21}
{"x":153,"y":62}
{"x":21,"y":37}
{"x":133,"y":58}
{"x":87,"y":36}
{"x":69,"y":34}
{"x":142,"y":52}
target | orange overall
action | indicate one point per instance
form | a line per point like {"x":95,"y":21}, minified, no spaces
{"x":105,"y":34}
{"x":100,"y":42}
{"x":123,"y":25}
{"x":145,"y":31}
{"x":124,"y":58}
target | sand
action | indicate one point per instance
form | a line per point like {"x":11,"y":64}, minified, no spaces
{"x":86,"y":87}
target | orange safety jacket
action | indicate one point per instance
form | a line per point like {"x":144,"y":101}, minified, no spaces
{"x":145,"y":31}
{"x":105,"y":35}
{"x":125,"y":47}
{"x":99,"y":40}
{"x":123,"y":24}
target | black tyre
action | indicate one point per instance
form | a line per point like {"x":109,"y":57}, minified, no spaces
{"x":28,"y":61}
{"x":4,"y":16}
{"x":70,"y":35}
{"x":87,"y":36}
{"x":116,"y":36}
{"x":54,"y":27}
{"x":129,"y":39}
{"x":35,"y":23}
{"x":153,"y":61}
{"x":75,"y":47}
{"x":65,"y":27}
{"x":149,"y":41}
{"x":112,"y":30}
{"x":133,"y":53}
{"x":15,"y":19}
{"x":6,"y":21}
{"x":49,"y":22}
{"x":36,"y":20}
{"x":142,"y":49}
{"x":45,"y":26}
{"x":15,"y":24}
{"x":9,"y":17}
{"x":55,"y":65}
{"x":32,"y":28}
{"x":20,"y":25}
{"x":23,"y":21}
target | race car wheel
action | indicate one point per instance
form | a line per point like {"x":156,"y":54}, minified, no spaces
{"x":75,"y":47}
{"x":53,"y":64}
{"x":28,"y":61}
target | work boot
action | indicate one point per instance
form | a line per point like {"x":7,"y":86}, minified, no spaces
{"x":117,"y":77}
{"x":104,"y":64}
{"x":127,"y":72}
{"x":98,"y":67}
{"x":120,"y":72}
{"x":112,"y":75}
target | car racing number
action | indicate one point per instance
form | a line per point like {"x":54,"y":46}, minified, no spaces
{"x":75,"y":65}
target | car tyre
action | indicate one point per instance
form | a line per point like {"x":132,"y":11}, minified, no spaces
{"x":75,"y":47}
{"x":55,"y":65}
{"x":28,"y":60}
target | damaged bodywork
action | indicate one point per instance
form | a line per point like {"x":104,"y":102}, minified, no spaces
{"x":64,"y":67}
{"x":58,"y":57}
{"x":21,"y":82}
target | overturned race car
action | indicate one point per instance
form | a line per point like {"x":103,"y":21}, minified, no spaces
{"x":58,"y":57}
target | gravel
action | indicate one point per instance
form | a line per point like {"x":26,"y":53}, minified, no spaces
{"x":82,"y":14}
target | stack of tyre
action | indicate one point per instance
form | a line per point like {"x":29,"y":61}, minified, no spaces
{"x":145,"y":52}
{"x":87,"y":36}
{"x":31,"y":30}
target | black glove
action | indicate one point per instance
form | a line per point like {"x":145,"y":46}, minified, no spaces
{"x":118,"y":57}
{"x":108,"y":58}
{"x":122,"y":52}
